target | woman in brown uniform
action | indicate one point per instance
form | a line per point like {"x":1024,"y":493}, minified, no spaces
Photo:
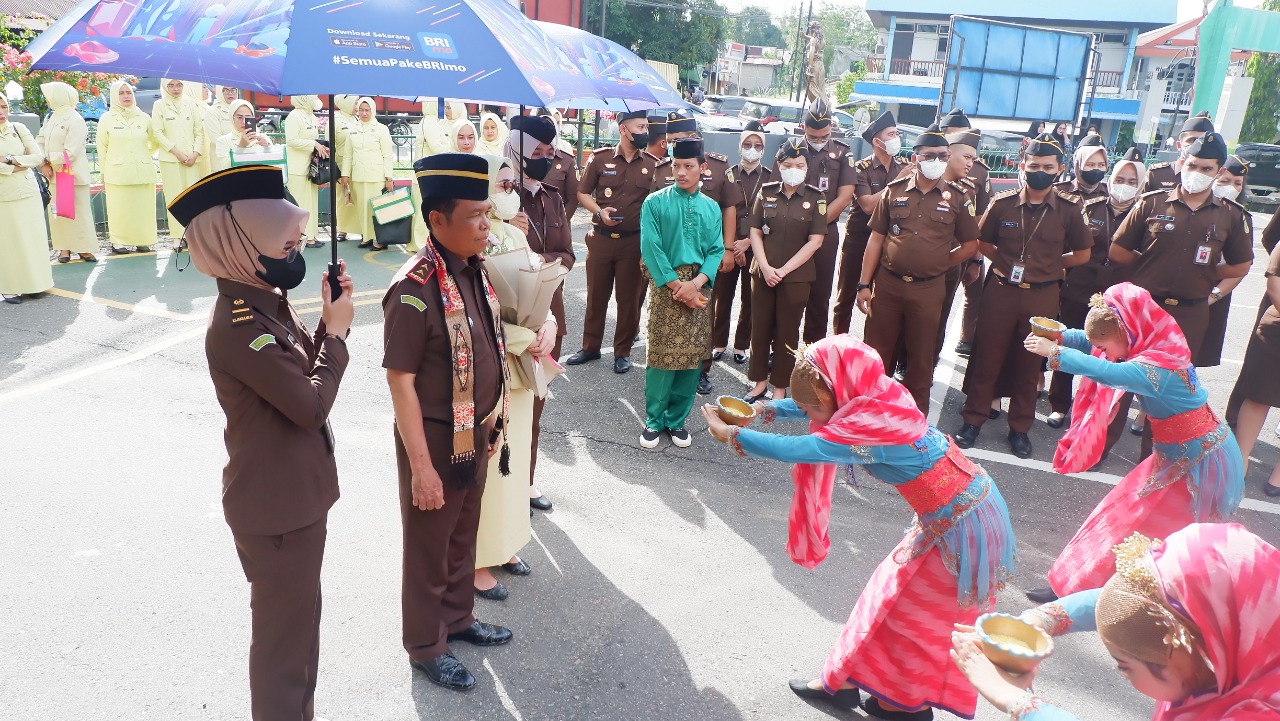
{"x":1259,"y":384}
{"x":1231,"y":184}
{"x":788,"y":226}
{"x":276,"y":383}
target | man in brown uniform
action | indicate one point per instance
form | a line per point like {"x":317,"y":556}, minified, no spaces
{"x":442,"y":321}
{"x":920,"y":228}
{"x":831,"y":171}
{"x":1089,"y":163}
{"x":964,"y":156}
{"x":750,"y":174}
{"x":613,"y":187}
{"x":1031,"y":236}
{"x":715,"y":185}
{"x":1165,"y":176}
{"x":276,"y":383}
{"x":971,"y":273}
{"x":871,"y":174}
{"x":657,"y":146}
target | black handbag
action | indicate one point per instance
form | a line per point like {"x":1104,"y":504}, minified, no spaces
{"x":43,"y":184}
{"x":397,"y":232}
{"x":318,"y":171}
{"x":392,"y":217}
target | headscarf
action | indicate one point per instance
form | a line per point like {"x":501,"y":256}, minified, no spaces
{"x":1083,"y":153}
{"x":221,"y":250}
{"x":1154,"y":339}
{"x":195,"y":93}
{"x":309,"y":103}
{"x":872,"y":410}
{"x":346,"y":104}
{"x":561,"y":144}
{"x":61,"y":98}
{"x":456,"y":128}
{"x":123,"y":111}
{"x":1140,"y":169}
{"x":220,"y":104}
{"x":373,"y":109}
{"x":497,"y":147}
{"x":232,"y":107}
{"x":174,"y":104}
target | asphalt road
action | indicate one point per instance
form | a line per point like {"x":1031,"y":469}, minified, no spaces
{"x":661,"y":589}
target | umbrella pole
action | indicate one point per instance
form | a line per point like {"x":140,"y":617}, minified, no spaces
{"x":521,"y":168}
{"x":335,"y":288}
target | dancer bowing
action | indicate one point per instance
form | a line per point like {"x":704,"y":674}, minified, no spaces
{"x":947,"y":569}
{"x":1196,"y":473}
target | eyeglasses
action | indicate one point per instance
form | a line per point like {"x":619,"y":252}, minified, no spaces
{"x":934,"y":156}
{"x":506,"y":186}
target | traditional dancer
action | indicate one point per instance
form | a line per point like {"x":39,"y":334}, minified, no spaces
{"x":1191,"y":623}
{"x":946,"y":570}
{"x":1196,"y":473}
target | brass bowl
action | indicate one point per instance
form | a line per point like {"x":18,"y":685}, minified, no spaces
{"x":1047,"y":328}
{"x":1011,"y":643}
{"x":735,"y":411}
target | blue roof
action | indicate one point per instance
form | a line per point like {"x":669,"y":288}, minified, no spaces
{"x":1144,"y":14}
{"x":893,"y":93}
{"x":1115,"y":109}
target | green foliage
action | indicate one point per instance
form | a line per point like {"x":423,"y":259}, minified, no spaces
{"x":753,"y":26}
{"x":17,"y":39}
{"x":845,"y":86}
{"x":843,"y":25}
{"x":1264,"y":102}
{"x":1124,"y":138}
{"x":678,"y":36}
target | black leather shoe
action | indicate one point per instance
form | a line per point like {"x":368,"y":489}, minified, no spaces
{"x":1042,"y":595}
{"x":519,"y":568}
{"x":739,"y":358}
{"x":873,"y":708}
{"x":497,"y":593}
{"x":750,"y":399}
{"x":542,"y":503}
{"x":122,"y":251}
{"x":717,"y":354}
{"x":482,"y":634}
{"x":1020,"y":444}
{"x":1056,"y":421}
{"x":964,"y":348}
{"x":994,"y":413}
{"x":704,"y":385}
{"x":1270,"y":490}
{"x":846,"y":698}
{"x":446,"y":670}
{"x":967,"y":435}
{"x":621,"y":365}
{"x":581,"y":357}
{"x":13,"y":299}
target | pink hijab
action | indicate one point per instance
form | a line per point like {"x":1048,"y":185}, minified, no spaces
{"x":872,"y":410}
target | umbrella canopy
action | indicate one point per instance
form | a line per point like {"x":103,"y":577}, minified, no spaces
{"x":483,"y":50}
{"x":622,"y":80}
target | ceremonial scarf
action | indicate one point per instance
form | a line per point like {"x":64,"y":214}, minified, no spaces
{"x":1154,"y":339}
{"x":872,"y":410}
{"x":127,"y":112}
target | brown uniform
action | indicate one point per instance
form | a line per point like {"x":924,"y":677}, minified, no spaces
{"x":920,"y":230}
{"x":1072,"y":187}
{"x":564,"y":176}
{"x":1180,"y":251}
{"x":829,"y":171}
{"x":738,"y":279}
{"x":550,"y":237}
{"x":870,"y":177}
{"x":1030,"y":243}
{"x":955,"y":274}
{"x":1161,"y":176}
{"x":980,"y":174}
{"x":1270,"y":239}
{"x":276,"y":384}
{"x":613,"y":252}
{"x":440,"y":546}
{"x":785,"y":224}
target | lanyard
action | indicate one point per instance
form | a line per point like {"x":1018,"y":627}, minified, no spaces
{"x":542,"y":232}
{"x":756,"y":189}
{"x":1026,"y":239}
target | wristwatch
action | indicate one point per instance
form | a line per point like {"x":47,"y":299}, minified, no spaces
{"x":1216,"y":294}
{"x":864,"y":286}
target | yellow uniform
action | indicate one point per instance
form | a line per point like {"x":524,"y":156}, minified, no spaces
{"x":125,"y":145}
{"x":348,"y":216}
{"x":63,"y":137}
{"x":368,"y":160}
{"x":300,"y":133}
{"x":178,"y":125}
{"x":24,"y":254}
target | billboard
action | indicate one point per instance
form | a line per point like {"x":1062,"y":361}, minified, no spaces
{"x":1020,"y":72}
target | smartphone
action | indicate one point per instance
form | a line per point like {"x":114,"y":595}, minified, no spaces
{"x":617,"y":218}
{"x":250,"y":123}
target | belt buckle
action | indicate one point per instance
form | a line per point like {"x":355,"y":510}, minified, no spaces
{"x":908,"y":279}
{"x":615,"y":236}
{"x":1172,"y":301}
{"x":1025,"y":286}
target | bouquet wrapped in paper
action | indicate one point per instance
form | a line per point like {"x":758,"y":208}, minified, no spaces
{"x":525,"y":285}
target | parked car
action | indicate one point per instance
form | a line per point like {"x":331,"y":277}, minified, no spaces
{"x":776,"y":115}
{"x":724,"y":104}
{"x":998,"y":148}
{"x":707,"y":121}
{"x":1263,"y":160}
{"x":146,"y":93}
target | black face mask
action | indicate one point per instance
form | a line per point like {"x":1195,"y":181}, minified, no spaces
{"x":1038,"y":179}
{"x":283,"y":273}
{"x":1092,"y":177}
{"x":537,"y":168}
{"x":640,"y":141}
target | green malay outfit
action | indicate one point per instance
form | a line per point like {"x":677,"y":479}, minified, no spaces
{"x":680,"y":238}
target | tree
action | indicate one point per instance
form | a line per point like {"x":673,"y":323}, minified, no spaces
{"x":843,"y":25}
{"x":753,"y":26}
{"x":688,"y":33}
{"x":1264,"y":102}
{"x":851,"y":78}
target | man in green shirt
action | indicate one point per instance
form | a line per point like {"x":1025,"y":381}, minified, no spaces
{"x":681,"y":248}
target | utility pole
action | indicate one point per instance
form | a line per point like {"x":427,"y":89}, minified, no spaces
{"x":603,"y":8}
{"x":795,"y":56}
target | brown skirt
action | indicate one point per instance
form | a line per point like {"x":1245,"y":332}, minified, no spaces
{"x":1260,"y":376}
{"x":678,"y":335}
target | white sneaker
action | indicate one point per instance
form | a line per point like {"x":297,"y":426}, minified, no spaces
{"x":650,"y":438}
{"x":680,"y":437}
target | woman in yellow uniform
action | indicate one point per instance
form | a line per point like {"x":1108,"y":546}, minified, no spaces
{"x":24,"y":254}
{"x":244,"y":138}
{"x":179,"y":130}
{"x":63,"y":137}
{"x":463,"y":136}
{"x":493,"y":135}
{"x":300,"y":134}
{"x":368,"y":162}
{"x":198,"y":95}
{"x":430,"y":137}
{"x":125,"y":145}
{"x":220,"y":111}
{"x":349,"y":216}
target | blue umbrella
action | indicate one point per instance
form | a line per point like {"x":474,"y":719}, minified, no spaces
{"x":623,"y":81}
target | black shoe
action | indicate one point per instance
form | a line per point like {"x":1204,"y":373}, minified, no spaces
{"x":964,"y":348}
{"x":717,"y":355}
{"x":342,"y":237}
{"x":482,"y":634}
{"x":542,"y":503}
{"x":900,"y":373}
{"x":497,"y":593}
{"x":872,"y":707}
{"x":519,"y":568}
{"x":122,"y":251}
{"x":1042,"y":595}
{"x":846,"y":698}
{"x":1102,"y":459}
{"x":754,"y":399}
{"x":312,"y":244}
{"x":739,"y":358}
{"x":621,"y":364}
{"x":365,"y":244}
{"x":649,"y":438}
{"x":1056,"y":421}
{"x":680,"y":438}
{"x":581,"y":357}
{"x":446,"y":670}
{"x":967,"y":435}
{"x":1137,"y":428}
{"x":994,"y":413}
{"x":704,"y":385}
{"x":147,"y":248}
{"x":64,"y":259}
{"x":1020,"y":444}
{"x":13,"y":299}
{"x":1270,"y":490}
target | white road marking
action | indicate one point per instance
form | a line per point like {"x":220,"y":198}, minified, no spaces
{"x":507,"y":703}
{"x":548,"y":552}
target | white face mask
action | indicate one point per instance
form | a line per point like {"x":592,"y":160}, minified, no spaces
{"x":793,"y":177}
{"x":1228,"y":192}
{"x":1194,"y":182}
{"x":817,"y":146}
{"x":505,"y":205}
{"x":1123,"y":193}
{"x":933,"y":169}
{"x":752,"y":155}
{"x":893,"y":146}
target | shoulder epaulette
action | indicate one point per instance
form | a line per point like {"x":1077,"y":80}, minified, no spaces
{"x":865,"y":163}
{"x":1092,"y":201}
{"x":983,"y":163}
{"x":1069,"y":197}
{"x":597,"y":151}
{"x":814,"y":188}
{"x":1157,"y":166}
{"x":966,"y":181}
{"x":899,"y":179}
{"x":241,"y":311}
{"x":841,"y":143}
{"x":1161,"y":191}
{"x":1236,"y":203}
{"x":664,"y":161}
{"x":421,"y":272}
{"x":718,"y":156}
{"x":777,"y":183}
{"x":1011,"y":192}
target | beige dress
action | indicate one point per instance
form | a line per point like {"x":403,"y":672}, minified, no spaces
{"x":300,"y":134}
{"x":349,"y":220}
{"x":178,"y":124}
{"x":63,"y":137}
{"x":125,"y":145}
{"x":24,"y":246}
{"x":369,"y":161}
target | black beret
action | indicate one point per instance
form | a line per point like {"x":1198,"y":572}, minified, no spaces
{"x":1042,"y":146}
{"x":885,"y":121}
{"x":245,"y":182}
{"x":1133,"y":154}
{"x":1209,"y":146}
{"x":954,"y":119}
{"x":680,"y":121}
{"x":539,"y":127}
{"x":657,"y":125}
{"x":1198,"y":124}
{"x":1235,"y":166}
{"x":1091,"y":140}
{"x":632,"y":115}
{"x":464,"y":176}
{"x":792,"y":147}
{"x":932,"y":138}
{"x":819,"y":115}
{"x":753,"y":126}
{"x":968,"y":137}
{"x":686,"y":148}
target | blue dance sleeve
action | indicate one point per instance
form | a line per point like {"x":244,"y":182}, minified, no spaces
{"x":1070,"y":614}
{"x":796,"y":449}
{"x":1076,"y":339}
{"x":786,"y":408}
{"x":1128,"y":377}
{"x":1040,"y":710}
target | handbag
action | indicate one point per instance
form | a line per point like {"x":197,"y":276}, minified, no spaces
{"x":272,"y":155}
{"x":392,"y":217}
{"x":43,"y":184}
{"x":64,"y":190}
{"x":319,"y":170}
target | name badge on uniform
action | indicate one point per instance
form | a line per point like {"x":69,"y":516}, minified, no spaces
{"x":901,"y":202}
{"x":1016,"y":273}
{"x":1095,"y":221}
{"x":1168,"y":218}
{"x":1008,"y":224}
{"x":769,"y":205}
{"x":943,"y":208}
{"x":822,"y":183}
{"x":608,"y":172}
{"x":875,"y":184}
{"x":1203,"y":252}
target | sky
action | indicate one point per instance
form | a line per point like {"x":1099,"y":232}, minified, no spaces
{"x":1186,"y":8}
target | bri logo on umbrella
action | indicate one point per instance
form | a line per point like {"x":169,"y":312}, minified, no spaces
{"x":436,"y":45}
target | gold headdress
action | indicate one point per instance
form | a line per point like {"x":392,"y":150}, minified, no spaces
{"x":1132,"y":612}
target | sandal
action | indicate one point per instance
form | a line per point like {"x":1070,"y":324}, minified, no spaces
{"x":365,"y":244}
{"x":89,"y":257}
{"x":313,"y":243}
{"x":65,"y":258}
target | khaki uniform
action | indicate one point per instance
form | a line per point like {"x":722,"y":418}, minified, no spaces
{"x":277,"y":383}
{"x":1029,"y":242}
{"x":564,"y":177}
{"x":739,"y":279}
{"x":829,"y":171}
{"x":920,"y":229}
{"x":125,"y":145}
{"x":1161,"y":176}
{"x":870,"y":178}
{"x":613,"y":252}
{"x":980,"y":174}
{"x":368,"y":159}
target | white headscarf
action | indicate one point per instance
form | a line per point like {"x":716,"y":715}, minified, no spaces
{"x":310,"y":103}
{"x":122,"y":110}
{"x":232,"y":107}
{"x":497,"y":146}
{"x":62,"y":98}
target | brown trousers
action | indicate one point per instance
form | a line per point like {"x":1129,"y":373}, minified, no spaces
{"x":775,"y":327}
{"x":907,"y":314}
{"x":284,"y":577}
{"x":855,"y":245}
{"x":736,"y":281}
{"x":437,"y":591}
{"x":1194,"y":322}
{"x":972,"y":305}
{"x":538,"y":404}
{"x":613,"y":262}
{"x":1060,"y":388}
{"x":953,"y":279}
{"x":817,"y":311}
{"x":997,"y":349}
